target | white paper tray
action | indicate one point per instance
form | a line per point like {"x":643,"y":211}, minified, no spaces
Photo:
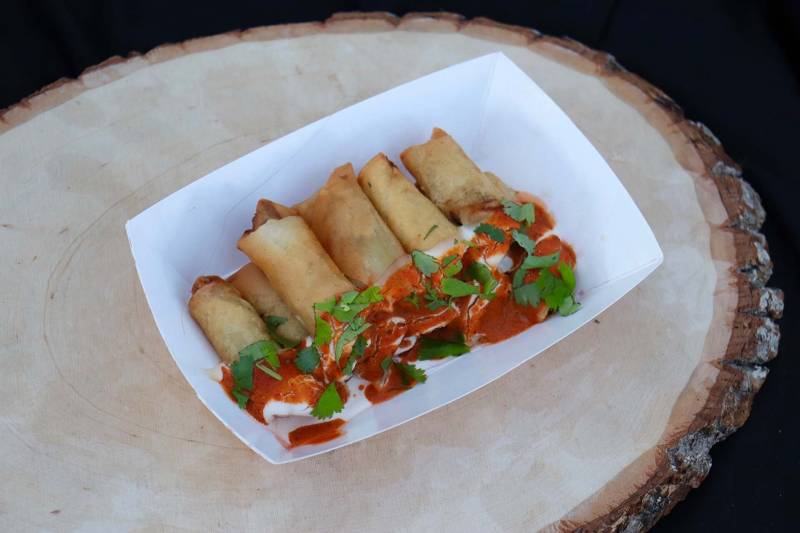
{"x":504,"y":122}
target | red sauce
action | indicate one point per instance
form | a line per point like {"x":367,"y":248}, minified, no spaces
{"x":398,"y":324}
{"x":316,"y":433}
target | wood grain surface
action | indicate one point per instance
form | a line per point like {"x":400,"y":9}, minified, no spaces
{"x":605,"y":431}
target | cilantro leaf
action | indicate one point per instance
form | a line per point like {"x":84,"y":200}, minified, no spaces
{"x":523,"y":240}
{"x":242,"y":372}
{"x":413,"y":299}
{"x":261,"y":350}
{"x":567,"y":275}
{"x":568,"y":306}
{"x":273,"y":322}
{"x":439,"y":348}
{"x":540,"y":261}
{"x":358,"y":350}
{"x":369,"y":296}
{"x":411,"y":373}
{"x":241,"y":398}
{"x":326,"y":305}
{"x":425,"y":263}
{"x":456,"y":287}
{"x":322,"y":332}
{"x":434,"y":301}
{"x":523,"y":213}
{"x":353,"y":330}
{"x":453,"y":268}
{"x":430,"y":231}
{"x":268,"y":371}
{"x":493,"y":232}
{"x":307,"y":359}
{"x":483,"y":275}
{"x":386,"y":362}
{"x":328,"y":403}
{"x":552,"y":289}
{"x":527,"y":294}
{"x":519,"y":277}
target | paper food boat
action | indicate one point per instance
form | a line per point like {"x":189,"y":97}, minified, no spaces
{"x":504,"y":122}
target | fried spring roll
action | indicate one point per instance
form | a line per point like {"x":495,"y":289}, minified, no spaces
{"x":350,"y":228}
{"x":452,"y":181}
{"x":255,"y":287}
{"x":293,"y":260}
{"x":228,"y":320}
{"x":417,"y":223}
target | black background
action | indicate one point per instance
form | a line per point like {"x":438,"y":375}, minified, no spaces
{"x":732,"y":65}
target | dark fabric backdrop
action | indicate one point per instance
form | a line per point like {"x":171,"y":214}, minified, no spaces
{"x":731,"y":65}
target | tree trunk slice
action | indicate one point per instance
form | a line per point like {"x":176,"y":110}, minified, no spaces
{"x":605,"y":431}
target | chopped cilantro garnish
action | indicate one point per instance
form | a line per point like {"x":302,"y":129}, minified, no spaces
{"x":413,"y":299}
{"x":241,"y":398}
{"x":568,"y":306}
{"x":527,"y":294}
{"x":261,"y":350}
{"x":456,"y":287}
{"x":439,"y":348}
{"x":386,"y":363}
{"x":351,"y":303}
{"x":483,"y":275}
{"x":567,"y":275}
{"x":268,"y":371}
{"x":273,"y":322}
{"x":552,"y":289}
{"x":453,"y":267}
{"x":523,"y":213}
{"x":425,"y":263}
{"x":325,"y":305}
{"x":540,"y":261}
{"x":328,"y":403}
{"x":523,"y":240}
{"x":242,"y":372}
{"x":410,"y":373}
{"x":322,"y":332}
{"x":433,"y":298}
{"x":430,"y":231}
{"x":307,"y":359}
{"x":353,"y":330}
{"x":494,"y":233}
{"x":358,"y":350}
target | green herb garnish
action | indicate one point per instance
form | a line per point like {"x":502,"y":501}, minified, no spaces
{"x":241,"y":398}
{"x":351,"y":303}
{"x":523,"y":213}
{"x":261,"y":350}
{"x":410,"y":373}
{"x":439,"y":348}
{"x":483,"y":275}
{"x":493,"y":232}
{"x":451,"y":267}
{"x":568,"y":306}
{"x":567,"y":275}
{"x":358,"y":350}
{"x":353,"y":330}
{"x":433,"y":298}
{"x":413,"y":299}
{"x":425,"y":263}
{"x":523,"y":240}
{"x":322,"y":332}
{"x":386,"y":363}
{"x":328,"y":403}
{"x":527,"y":294}
{"x":456,"y":287}
{"x":540,"y":261}
{"x":307,"y":359}
{"x":273,"y":322}
{"x":326,"y":305}
{"x":430,"y":231}
{"x":268,"y":371}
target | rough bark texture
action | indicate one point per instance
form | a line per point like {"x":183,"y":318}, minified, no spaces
{"x":684,"y":460}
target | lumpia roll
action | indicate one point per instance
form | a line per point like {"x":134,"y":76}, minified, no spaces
{"x":350,"y":228}
{"x":417,"y":223}
{"x":228,"y":320}
{"x":295,"y":263}
{"x":255,"y":288}
{"x":452,"y":181}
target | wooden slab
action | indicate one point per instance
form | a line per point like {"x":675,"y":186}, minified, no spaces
{"x":608,"y":430}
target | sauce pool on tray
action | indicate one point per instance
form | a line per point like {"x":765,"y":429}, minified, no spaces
{"x":331,"y":316}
